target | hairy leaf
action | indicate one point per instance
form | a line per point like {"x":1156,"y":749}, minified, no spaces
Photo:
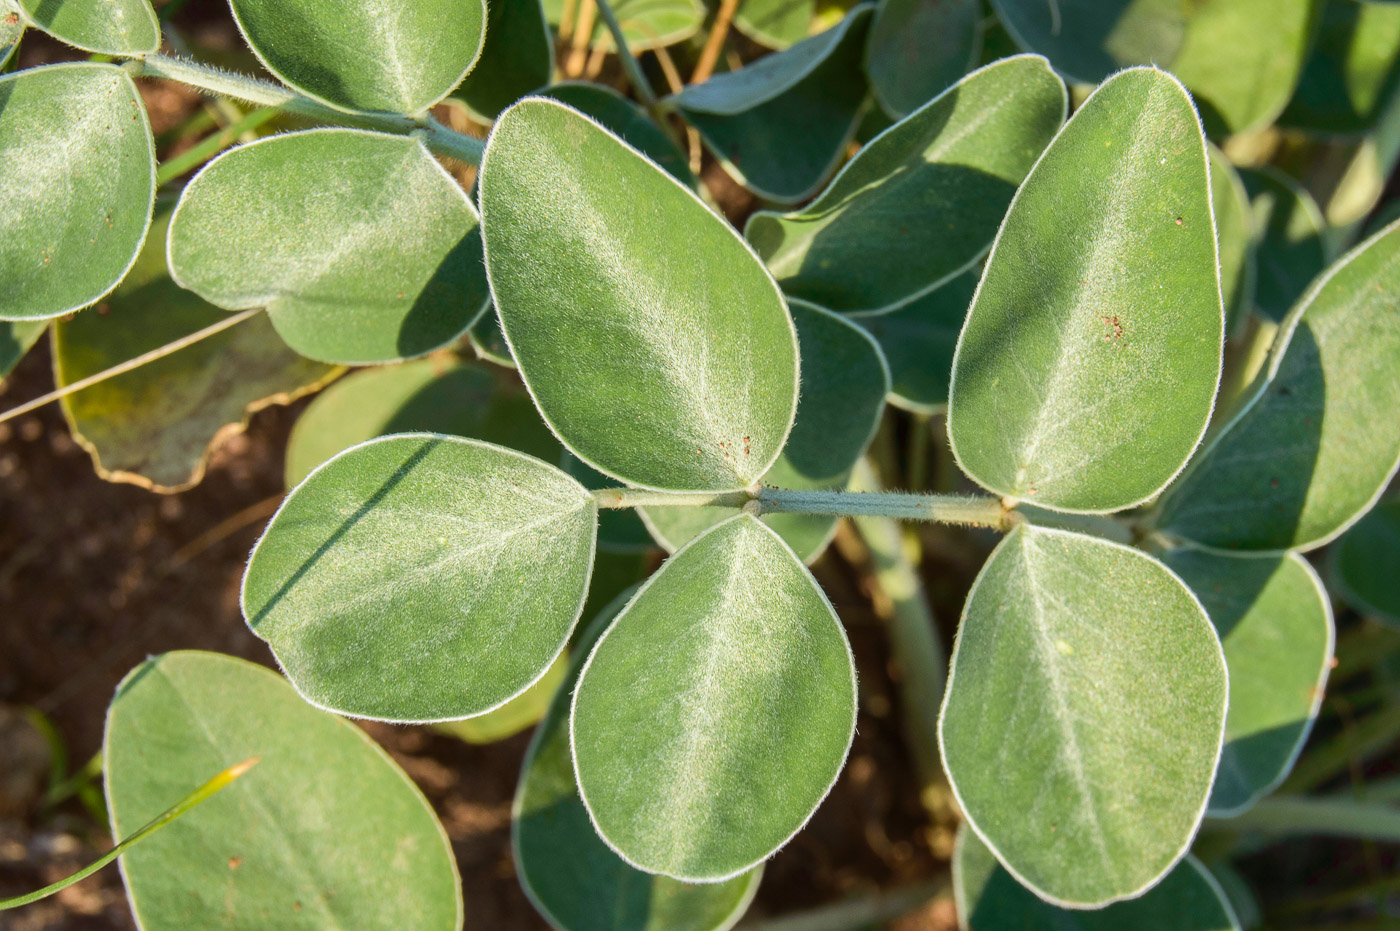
{"x":625,"y":120}
{"x":919,"y":48}
{"x":11,"y":29}
{"x":922,"y":201}
{"x":1364,"y":561}
{"x":488,"y":341}
{"x":647,"y":24}
{"x":325,"y":832}
{"x":569,"y":874}
{"x":1234,"y":228}
{"x":1290,"y":227}
{"x":654,"y":342}
{"x":990,"y":899}
{"x":844,"y":383}
{"x":1353,"y":71}
{"x":363,"y":248}
{"x":620,"y":530}
{"x":1318,"y":441}
{"x":421,"y":577}
{"x":1083,"y":717}
{"x":1275,"y":623}
{"x":79,"y":166}
{"x":519,"y":714}
{"x":395,"y":57}
{"x":518,"y":57}
{"x":714,"y":715}
{"x":1086,"y":371}
{"x":111,"y":27}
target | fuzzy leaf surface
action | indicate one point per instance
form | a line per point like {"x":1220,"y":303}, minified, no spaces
{"x":919,"y":48}
{"x":714,"y":715}
{"x":627,"y":121}
{"x":79,"y":166}
{"x":421,"y":577}
{"x":1364,"y":561}
{"x":11,"y":29}
{"x":325,"y":832}
{"x":363,"y":249}
{"x":518,"y":57}
{"x":654,"y":342}
{"x":111,"y":27}
{"x":1234,"y":228}
{"x":1083,"y":717}
{"x":922,"y":201}
{"x":1087,"y":369}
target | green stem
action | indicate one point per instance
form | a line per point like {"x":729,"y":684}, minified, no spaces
{"x":436,"y":136}
{"x":1283,"y":816}
{"x":639,"y":497}
{"x":220,"y":781}
{"x":629,"y":61}
{"x":1098,"y":525}
{"x":211,"y":145}
{"x":968,"y":510}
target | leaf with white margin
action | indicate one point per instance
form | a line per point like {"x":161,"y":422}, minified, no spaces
{"x":394,"y":57}
{"x":776,"y":24}
{"x":1315,"y":446}
{"x":844,"y":383}
{"x":654,"y":342}
{"x":919,"y":48}
{"x":1275,"y":624}
{"x":1234,"y":228}
{"x":362,"y":247}
{"x":11,"y":29}
{"x":715,"y":714}
{"x":421,"y":577}
{"x":922,"y":201}
{"x":990,"y":899}
{"x":78,"y":160}
{"x":646,"y":24}
{"x":518,"y":58}
{"x":1364,"y":561}
{"x":568,"y":873}
{"x":1087,"y":368}
{"x":1082,"y":723}
{"x":109,"y":27}
{"x":325,"y":832}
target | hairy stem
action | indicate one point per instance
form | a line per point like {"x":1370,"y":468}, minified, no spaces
{"x":629,"y":61}
{"x":638,"y":497}
{"x":967,"y":510}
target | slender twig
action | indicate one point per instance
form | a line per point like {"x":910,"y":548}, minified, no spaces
{"x":714,"y":44}
{"x":629,"y":61}
{"x":582,"y":38}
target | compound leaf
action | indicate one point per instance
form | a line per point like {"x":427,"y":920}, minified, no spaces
{"x":919,"y":48}
{"x":362,"y":248}
{"x":714,"y":715}
{"x":79,"y":166}
{"x":1290,"y":227}
{"x":289,"y":843}
{"x":518,"y":57}
{"x":421,"y":577}
{"x":1087,"y":369}
{"x":569,"y":874}
{"x":844,"y":383}
{"x":155,"y":426}
{"x":1364,"y":561}
{"x":1275,"y":624}
{"x":1083,"y":717}
{"x":1318,"y":441}
{"x":922,"y":201}
{"x":990,"y":899}
{"x":110,"y":27}
{"x":399,"y":58}
{"x":654,"y":342}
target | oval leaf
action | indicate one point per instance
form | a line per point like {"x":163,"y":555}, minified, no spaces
{"x":1318,"y":442}
{"x":990,"y":899}
{"x":518,"y":58}
{"x":1086,"y":371}
{"x":1290,"y":228}
{"x":1353,"y":71}
{"x":110,"y":27}
{"x":654,"y":342}
{"x":402,"y":580}
{"x":79,"y":166}
{"x":400,"y":59}
{"x":1234,"y":230}
{"x":519,"y":714}
{"x":919,"y":48}
{"x":646,"y":24}
{"x":1275,"y":624}
{"x":923,"y":200}
{"x":288,"y":843}
{"x":714,"y":715}
{"x":363,"y":248}
{"x":1364,"y":561}
{"x":627,"y":121}
{"x":844,"y":383}
{"x":574,"y":879}
{"x":776,"y":23}
{"x":1082,"y":723}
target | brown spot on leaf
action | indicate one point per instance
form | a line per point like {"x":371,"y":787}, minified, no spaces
{"x":235,"y":862}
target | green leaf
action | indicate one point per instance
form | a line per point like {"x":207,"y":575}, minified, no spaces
{"x":425,"y":396}
{"x":110,"y":27}
{"x":1364,"y":561}
{"x":1275,"y":624}
{"x":1241,"y":58}
{"x":990,"y":899}
{"x":79,"y":166}
{"x":620,"y":530}
{"x":520,"y":713}
{"x":518,"y":57}
{"x":919,"y":48}
{"x":781,"y":124}
{"x":647,"y":24}
{"x":569,"y":874}
{"x":714,"y":715}
{"x":287,"y":844}
{"x":16,"y":339}
{"x":625,"y":120}
{"x":366,"y":57}
{"x":1290,"y":248}
{"x":1086,"y":371}
{"x":844,"y":383}
{"x":1318,"y":441}
{"x":363,"y":248}
{"x":918,"y":340}
{"x":1082,"y":723}
{"x":922,"y":201}
{"x":775,"y":23}
{"x":488,"y":341}
{"x":654,"y":342}
{"x":1234,"y":230}
{"x":11,"y":29}
{"x":156,"y":426}
{"x":1353,"y":71}
{"x":421,"y":577}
